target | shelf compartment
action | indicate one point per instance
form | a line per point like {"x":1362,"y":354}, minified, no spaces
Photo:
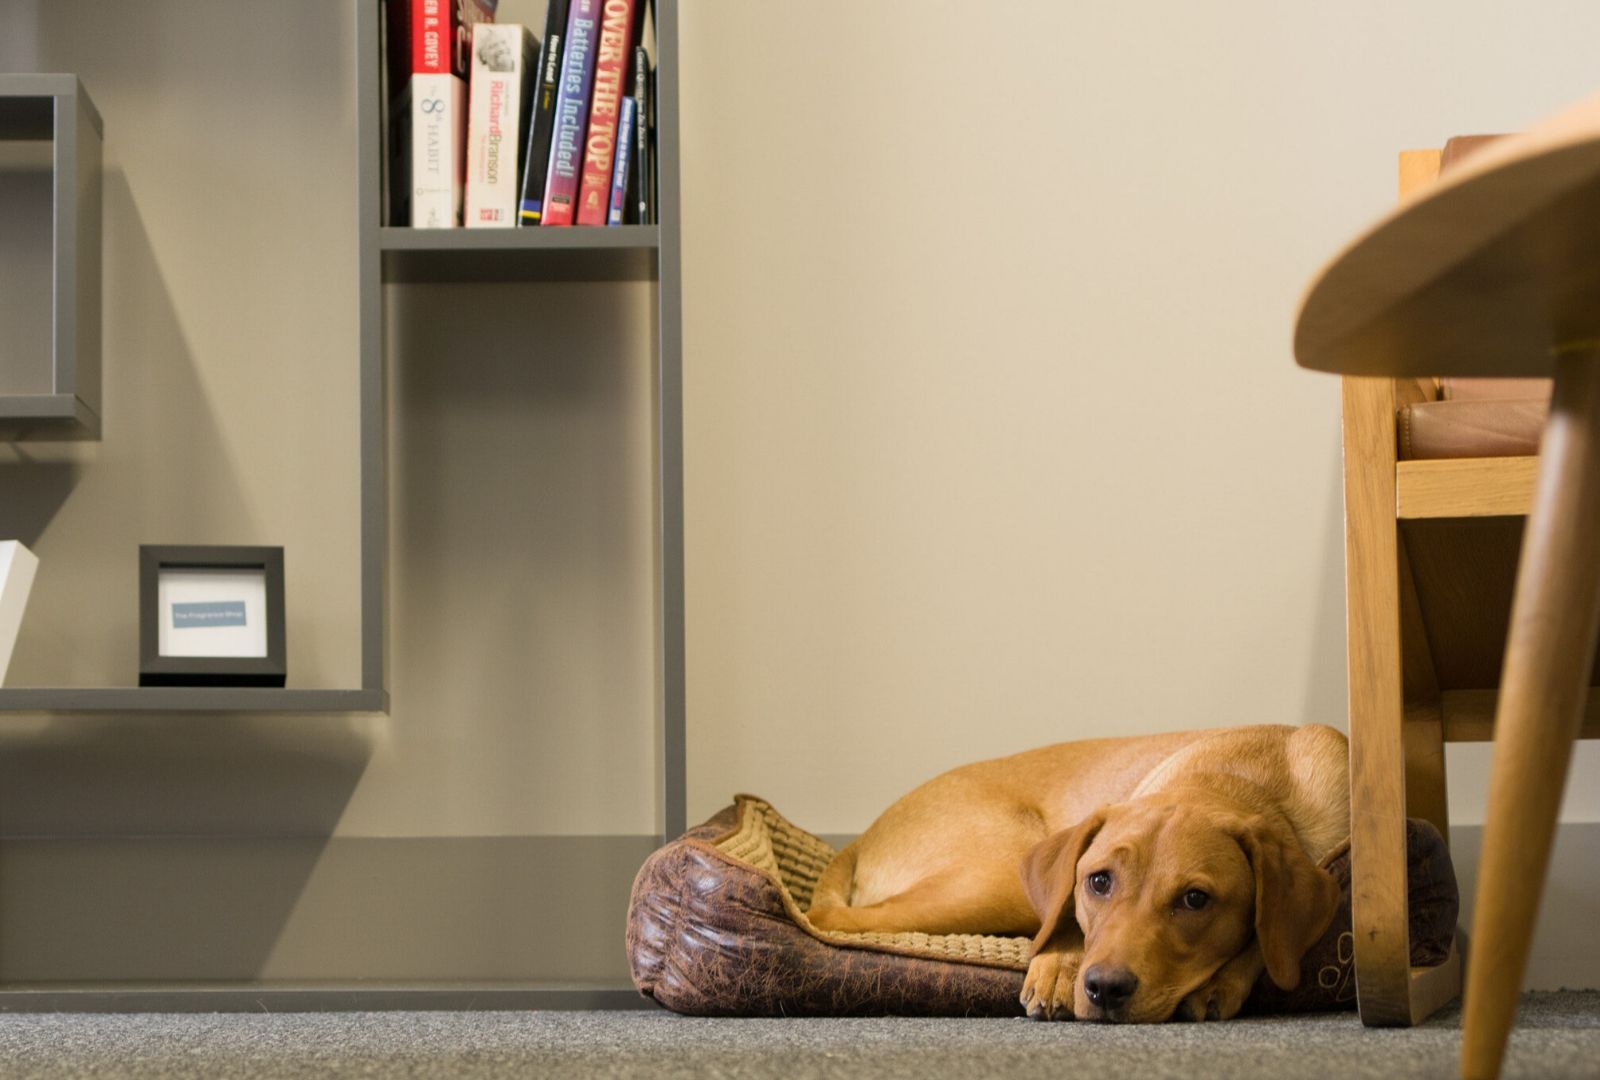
{"x":624,"y":253}
{"x":50,"y":370}
{"x":190,"y":699}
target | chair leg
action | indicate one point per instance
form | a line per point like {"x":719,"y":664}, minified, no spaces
{"x":1549,"y":653}
{"x":1379,"y":915}
{"x":1389,"y":991}
{"x":1378,"y":894}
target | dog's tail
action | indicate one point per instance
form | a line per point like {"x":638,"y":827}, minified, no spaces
{"x":834,"y":886}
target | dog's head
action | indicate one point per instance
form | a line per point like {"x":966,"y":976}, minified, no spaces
{"x":1163,"y":891}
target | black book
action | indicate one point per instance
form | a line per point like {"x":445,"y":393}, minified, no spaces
{"x":642,"y":184}
{"x":394,"y":102}
{"x":536,"y":165}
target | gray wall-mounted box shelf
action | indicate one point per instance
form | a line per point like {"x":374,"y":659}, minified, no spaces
{"x":50,"y":137}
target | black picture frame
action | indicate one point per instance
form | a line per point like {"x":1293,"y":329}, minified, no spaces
{"x":158,"y":670}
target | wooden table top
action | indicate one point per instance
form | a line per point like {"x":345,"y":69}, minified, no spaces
{"x":1494,"y":270}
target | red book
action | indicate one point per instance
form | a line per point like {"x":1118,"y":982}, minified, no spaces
{"x":441,"y":34}
{"x":600,"y":146}
{"x":441,"y":41}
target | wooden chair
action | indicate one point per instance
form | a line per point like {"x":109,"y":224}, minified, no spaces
{"x":1397,"y":729}
{"x":1490,"y":271}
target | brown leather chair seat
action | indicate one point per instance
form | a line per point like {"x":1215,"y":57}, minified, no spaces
{"x":1468,"y":418}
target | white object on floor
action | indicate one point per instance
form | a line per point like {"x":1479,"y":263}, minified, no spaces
{"x":17,"y":566}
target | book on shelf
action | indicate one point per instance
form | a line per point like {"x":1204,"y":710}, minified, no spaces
{"x":571,"y":114}
{"x":544,"y":113}
{"x":394,"y":102}
{"x":594,"y":63}
{"x":605,"y":107}
{"x":441,"y":39}
{"x":17,"y":568}
{"x":616,"y":212}
{"x":499,"y":92}
{"x":644,"y":175}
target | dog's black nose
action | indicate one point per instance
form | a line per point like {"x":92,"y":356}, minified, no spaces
{"x":1109,"y":988}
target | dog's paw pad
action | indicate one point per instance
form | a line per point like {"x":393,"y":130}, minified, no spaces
{"x":1047,"y":991}
{"x":1218,"y":999}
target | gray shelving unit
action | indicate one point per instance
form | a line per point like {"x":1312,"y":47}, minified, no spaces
{"x":387,"y":254}
{"x":529,"y":257}
{"x":62,"y":373}
{"x":625,"y":253}
{"x":534,"y":256}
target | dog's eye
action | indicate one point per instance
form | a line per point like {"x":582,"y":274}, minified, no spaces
{"x":1195,"y":899}
{"x":1100,"y":882}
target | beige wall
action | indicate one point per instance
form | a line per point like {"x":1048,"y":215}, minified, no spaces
{"x":992,"y":433}
{"x":994,"y":437}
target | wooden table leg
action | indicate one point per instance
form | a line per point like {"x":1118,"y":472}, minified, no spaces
{"x":1549,"y":654}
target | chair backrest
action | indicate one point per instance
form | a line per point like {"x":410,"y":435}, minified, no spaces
{"x":1418,"y":169}
{"x":1461,"y":518}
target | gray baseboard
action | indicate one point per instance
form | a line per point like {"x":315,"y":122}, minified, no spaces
{"x":294,"y":924}
{"x":298,"y":999}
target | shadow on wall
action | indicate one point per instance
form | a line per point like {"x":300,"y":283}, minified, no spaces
{"x":162,"y":848}
{"x":32,"y":491}
{"x":1327,"y":691}
{"x":31,"y":494}
{"x":161,"y":474}
{"x":144,"y":848}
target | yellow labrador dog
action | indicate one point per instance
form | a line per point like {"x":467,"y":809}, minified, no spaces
{"x":1157,"y":875}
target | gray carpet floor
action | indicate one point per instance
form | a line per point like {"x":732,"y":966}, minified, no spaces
{"x":1558,"y":1036}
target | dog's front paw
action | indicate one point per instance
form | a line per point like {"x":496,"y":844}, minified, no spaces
{"x":1047,"y":991}
{"x":1221,"y":996}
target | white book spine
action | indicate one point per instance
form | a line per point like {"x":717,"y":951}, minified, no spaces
{"x":17,"y":567}
{"x":500,"y":56}
{"x":438,"y":107}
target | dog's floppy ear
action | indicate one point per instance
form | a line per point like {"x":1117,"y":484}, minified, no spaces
{"x":1050,"y":874}
{"x":1295,"y":898}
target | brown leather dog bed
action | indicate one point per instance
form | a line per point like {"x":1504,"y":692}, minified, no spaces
{"x":717,"y":927}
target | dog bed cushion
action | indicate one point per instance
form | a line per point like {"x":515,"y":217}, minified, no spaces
{"x":717,"y":927}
